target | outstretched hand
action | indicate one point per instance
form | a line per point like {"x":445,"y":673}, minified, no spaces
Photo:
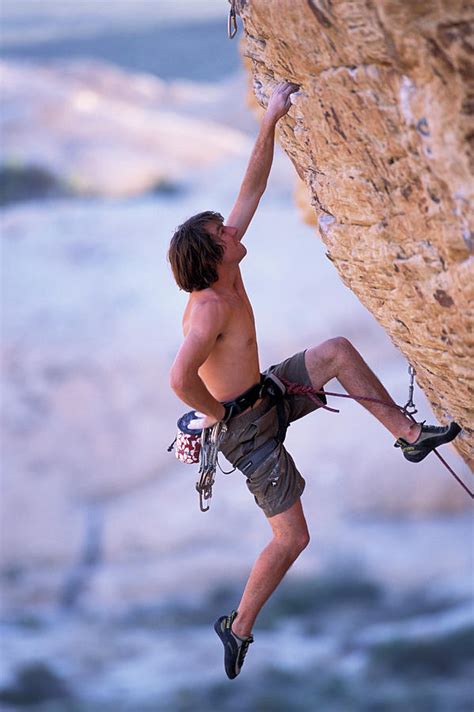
{"x":280,"y":102}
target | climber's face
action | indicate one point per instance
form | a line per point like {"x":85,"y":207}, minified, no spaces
{"x":234,"y":250}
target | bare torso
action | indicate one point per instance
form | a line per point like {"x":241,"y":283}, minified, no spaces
{"x":233,"y":365}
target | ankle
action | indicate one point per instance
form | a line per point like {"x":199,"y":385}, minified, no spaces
{"x":241,"y":629}
{"x":412,"y":433}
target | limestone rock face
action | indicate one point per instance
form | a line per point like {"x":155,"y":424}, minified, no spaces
{"x":381,"y":134}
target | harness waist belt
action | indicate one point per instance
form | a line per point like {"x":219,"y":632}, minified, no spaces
{"x":246,"y":400}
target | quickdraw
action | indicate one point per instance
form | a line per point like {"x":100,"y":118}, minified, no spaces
{"x":232,"y":21}
{"x":210,"y":440}
{"x":410,"y":407}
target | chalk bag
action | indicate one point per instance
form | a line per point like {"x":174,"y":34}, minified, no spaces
{"x":188,"y":441}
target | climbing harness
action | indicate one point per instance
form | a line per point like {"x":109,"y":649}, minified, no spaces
{"x":202,"y":446}
{"x":246,"y":400}
{"x":232,"y":21}
{"x":193,"y":446}
{"x":273,"y":387}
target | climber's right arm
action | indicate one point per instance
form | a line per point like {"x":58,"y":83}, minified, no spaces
{"x":207,"y":321}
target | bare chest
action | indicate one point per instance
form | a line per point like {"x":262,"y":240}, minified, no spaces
{"x":241,"y":323}
{"x":232,"y":363}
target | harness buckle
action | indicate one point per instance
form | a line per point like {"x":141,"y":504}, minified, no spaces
{"x":273,"y":386}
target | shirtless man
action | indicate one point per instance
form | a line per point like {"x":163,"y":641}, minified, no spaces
{"x":218,"y":361}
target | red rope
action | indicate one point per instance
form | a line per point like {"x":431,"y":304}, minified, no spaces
{"x":314,"y":395}
{"x":300,"y":389}
{"x":471,"y":494}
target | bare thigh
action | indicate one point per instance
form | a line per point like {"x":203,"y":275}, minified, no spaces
{"x":323,"y":361}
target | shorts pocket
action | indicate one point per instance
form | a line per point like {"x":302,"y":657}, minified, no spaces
{"x":240,"y":442}
{"x":267,"y":470}
{"x":266,"y":426}
{"x":237,"y":444}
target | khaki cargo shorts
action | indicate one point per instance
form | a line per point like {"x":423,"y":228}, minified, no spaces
{"x":276,"y":483}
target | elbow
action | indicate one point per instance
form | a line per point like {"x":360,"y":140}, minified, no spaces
{"x":178,"y":382}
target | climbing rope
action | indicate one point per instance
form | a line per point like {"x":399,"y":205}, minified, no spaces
{"x":299,"y":389}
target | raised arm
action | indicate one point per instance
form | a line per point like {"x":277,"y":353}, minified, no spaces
{"x":258,"y":169}
{"x":207,"y":322}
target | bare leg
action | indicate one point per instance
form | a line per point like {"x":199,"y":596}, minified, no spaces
{"x":290,"y":537}
{"x":337,"y":358}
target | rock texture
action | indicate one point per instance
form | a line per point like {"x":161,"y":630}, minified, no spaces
{"x":381,"y":134}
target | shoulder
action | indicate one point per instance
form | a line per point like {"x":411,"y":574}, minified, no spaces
{"x":209,"y":308}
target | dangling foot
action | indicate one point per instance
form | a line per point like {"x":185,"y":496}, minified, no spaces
{"x":235,"y":647}
{"x":430,"y":437}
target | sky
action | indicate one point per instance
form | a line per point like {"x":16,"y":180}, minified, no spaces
{"x":25,"y":21}
{"x":173,"y":40}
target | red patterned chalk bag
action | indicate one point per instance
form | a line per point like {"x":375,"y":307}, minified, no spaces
{"x":188,"y":441}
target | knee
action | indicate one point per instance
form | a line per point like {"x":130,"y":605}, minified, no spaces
{"x":340,"y":348}
{"x":303,"y":540}
{"x":300,"y":542}
{"x":340,"y":343}
{"x":296,"y":543}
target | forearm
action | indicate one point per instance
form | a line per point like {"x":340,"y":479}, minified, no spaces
{"x":260,"y":163}
{"x":194,"y":393}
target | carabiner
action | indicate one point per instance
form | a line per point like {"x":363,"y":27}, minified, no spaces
{"x":410,"y":407}
{"x":232,"y":21}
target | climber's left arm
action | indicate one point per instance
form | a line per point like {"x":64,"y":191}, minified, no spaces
{"x":256,"y":176}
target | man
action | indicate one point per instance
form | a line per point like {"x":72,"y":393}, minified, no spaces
{"x":218,"y":362}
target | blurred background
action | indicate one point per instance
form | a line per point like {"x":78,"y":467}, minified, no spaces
{"x":119,"y":120}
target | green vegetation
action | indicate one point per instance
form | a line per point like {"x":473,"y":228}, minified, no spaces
{"x":19,"y":183}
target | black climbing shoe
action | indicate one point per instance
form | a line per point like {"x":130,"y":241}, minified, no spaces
{"x":431,"y":436}
{"x":235,"y":648}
